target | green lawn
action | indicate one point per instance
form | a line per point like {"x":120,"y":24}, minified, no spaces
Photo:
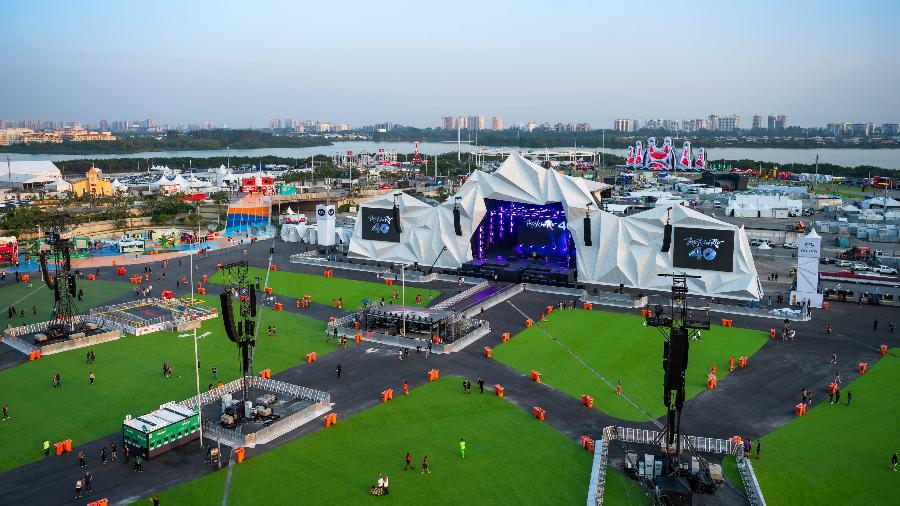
{"x":129,"y":380}
{"x":731,"y":472}
{"x":622,"y":490}
{"x":96,"y":293}
{"x":619,"y":347}
{"x":511,"y":458}
{"x":838,"y":454}
{"x":322,"y":289}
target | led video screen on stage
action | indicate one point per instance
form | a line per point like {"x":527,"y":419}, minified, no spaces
{"x":703,"y":248}
{"x":378,"y":225}
{"x":511,"y":229}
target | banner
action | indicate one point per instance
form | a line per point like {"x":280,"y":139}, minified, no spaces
{"x":325,"y":220}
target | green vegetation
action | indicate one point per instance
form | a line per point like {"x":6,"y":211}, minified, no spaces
{"x":96,"y":293}
{"x":510,"y":458}
{"x":619,"y":347}
{"x":838,"y":454}
{"x":622,"y":490}
{"x":175,"y":141}
{"x":130,"y":380}
{"x":732,"y":474}
{"x":323,"y":290}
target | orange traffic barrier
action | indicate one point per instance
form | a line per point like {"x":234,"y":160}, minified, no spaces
{"x":588,"y":306}
{"x":273,"y":268}
{"x":120,"y":271}
{"x":330,"y":419}
{"x":388,"y":282}
{"x":863,"y":367}
{"x":25,"y":278}
{"x":387,"y":395}
{"x":167,"y":294}
{"x":539,"y":413}
{"x":99,"y":502}
{"x":357,"y":338}
{"x":536,"y":376}
{"x":743,"y":362}
{"x":67,"y":445}
{"x":488,"y":353}
{"x":310,"y":357}
{"x":800,"y":409}
{"x":825,"y":306}
{"x":773,"y":333}
{"x":883,"y":350}
{"x":505,"y":337}
{"x":587,"y":443}
{"x":59,"y":448}
{"x":92,"y":277}
{"x":646,"y":313}
{"x":357,"y":325}
{"x":239,"y":454}
{"x":498,"y":390}
{"x":219,"y":266}
{"x":32,"y":356}
{"x":278,"y":306}
{"x":588,"y":401}
{"x":265,"y":373}
{"x":590,"y":446}
{"x":528,"y":323}
{"x":201,"y":291}
{"x":711,"y":381}
{"x":205,"y":277}
{"x":433,"y":375}
{"x":727,"y":323}
{"x":549,"y":309}
{"x":268,"y":290}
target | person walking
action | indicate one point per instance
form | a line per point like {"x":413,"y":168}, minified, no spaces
{"x":46,"y":446}
{"x":79,"y":483}
{"x":91,"y":377}
{"x":837,"y":396}
{"x":480,"y":382}
{"x":5,"y":412}
{"x":215,"y":373}
{"x":338,"y":369}
{"x":894,"y":462}
{"x":462,"y":448}
{"x":138,"y":464}
{"x":758,"y":447}
{"x":113,"y":452}
{"x":126,"y":451}
{"x":849,"y":396}
{"x":408,"y":462}
{"x":88,"y":482}
{"x":425,"y":468}
{"x":103,"y":455}
{"x":81,"y":460}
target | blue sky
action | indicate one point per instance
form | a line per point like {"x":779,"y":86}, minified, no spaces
{"x":411,"y":62}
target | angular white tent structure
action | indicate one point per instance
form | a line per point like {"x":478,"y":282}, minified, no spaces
{"x":623,"y":250}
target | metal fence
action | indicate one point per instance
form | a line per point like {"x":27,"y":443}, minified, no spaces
{"x":461,"y":295}
{"x":505,"y":294}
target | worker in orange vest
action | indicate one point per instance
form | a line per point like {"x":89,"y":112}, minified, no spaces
{"x":619,"y":387}
{"x":297,"y":302}
{"x":405,"y":388}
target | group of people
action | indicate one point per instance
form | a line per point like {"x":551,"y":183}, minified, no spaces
{"x":167,"y":370}
{"x":467,"y":385}
{"x":84,"y":484}
{"x":90,"y":357}
{"x":381,"y":487}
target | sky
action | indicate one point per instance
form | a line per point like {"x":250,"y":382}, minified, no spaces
{"x":362,"y":62}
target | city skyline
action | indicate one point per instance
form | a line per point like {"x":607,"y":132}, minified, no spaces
{"x":311,"y":61}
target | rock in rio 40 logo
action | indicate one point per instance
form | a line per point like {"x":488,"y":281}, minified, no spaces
{"x":703,"y":249}
{"x":380,"y":224}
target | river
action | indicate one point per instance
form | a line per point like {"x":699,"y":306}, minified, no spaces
{"x":850,"y":157}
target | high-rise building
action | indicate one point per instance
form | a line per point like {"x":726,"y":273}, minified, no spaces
{"x":713,"y":122}
{"x":275,"y":124}
{"x":531,"y":126}
{"x":778,"y":121}
{"x":287,"y":123}
{"x":728,"y":123}
{"x":622,"y":125}
{"x":448,"y":123}
{"x":497,"y":123}
{"x":475,"y":123}
{"x":757,"y":122}
{"x":104,"y":125}
{"x":462,"y":123}
{"x":890,"y":129}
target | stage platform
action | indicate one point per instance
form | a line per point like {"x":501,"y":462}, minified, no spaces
{"x":520,"y":270}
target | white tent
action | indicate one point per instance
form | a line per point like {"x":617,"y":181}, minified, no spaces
{"x":625,"y":250}
{"x":162,"y":181}
{"x":60,"y":185}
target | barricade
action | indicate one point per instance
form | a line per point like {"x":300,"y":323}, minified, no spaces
{"x":549,"y":309}
{"x":167,"y":294}
{"x":278,"y":306}
{"x":646,"y":313}
{"x":505,"y":337}
{"x":310,"y":357}
{"x":800,"y":409}
{"x":92,"y":277}
{"x":388,"y":282}
{"x":773,"y":333}
{"x":25,"y":278}
{"x":883,"y":350}
{"x":205,"y":277}
{"x":588,"y":306}
{"x":498,"y":390}
{"x":727,"y":323}
{"x":273,"y":268}
{"x":433,"y":375}
{"x":99,"y":502}
{"x":239,"y":454}
{"x":528,"y":323}
{"x":120,"y":271}
{"x":330,"y":419}
{"x":743,"y":362}
{"x":539,"y":413}
{"x":863,"y":367}
{"x":59,"y":448}
{"x":357,"y":338}
{"x":535,"y":376}
{"x":588,"y":401}
{"x":67,"y":445}
{"x":268,"y":290}
{"x":488,"y":353}
{"x":711,"y":381}
{"x":387,"y":395}
{"x":201,"y":291}
{"x":587,"y":443}
{"x":825,"y":306}
{"x":265,"y":373}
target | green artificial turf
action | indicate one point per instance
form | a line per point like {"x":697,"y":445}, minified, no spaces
{"x":622,"y":490}
{"x":619,"y":347}
{"x":96,"y":293}
{"x":732,"y":474}
{"x":323,"y":290}
{"x":129,"y":380}
{"x":511,"y":458}
{"x":839,"y":454}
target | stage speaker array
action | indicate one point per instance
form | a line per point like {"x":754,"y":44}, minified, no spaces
{"x":675,"y":362}
{"x":587,"y":231}
{"x":457,"y":221}
{"x":45,"y":273}
{"x":228,"y":318}
{"x":397,"y":218}
{"x":667,"y":238}
{"x":72,"y":291}
{"x":252,"y":292}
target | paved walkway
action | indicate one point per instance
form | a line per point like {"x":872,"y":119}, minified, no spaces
{"x":738,"y":406}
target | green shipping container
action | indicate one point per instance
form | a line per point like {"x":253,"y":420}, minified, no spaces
{"x":157,"y":432}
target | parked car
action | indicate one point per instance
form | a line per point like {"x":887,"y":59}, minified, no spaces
{"x":841,"y":263}
{"x":884,"y":269}
{"x":790,"y":245}
{"x":826,"y":260}
{"x":859,"y":266}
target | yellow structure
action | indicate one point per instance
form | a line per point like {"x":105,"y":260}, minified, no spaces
{"x":94,"y":184}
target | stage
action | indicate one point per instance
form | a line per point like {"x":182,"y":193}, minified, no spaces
{"x":516,"y":270}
